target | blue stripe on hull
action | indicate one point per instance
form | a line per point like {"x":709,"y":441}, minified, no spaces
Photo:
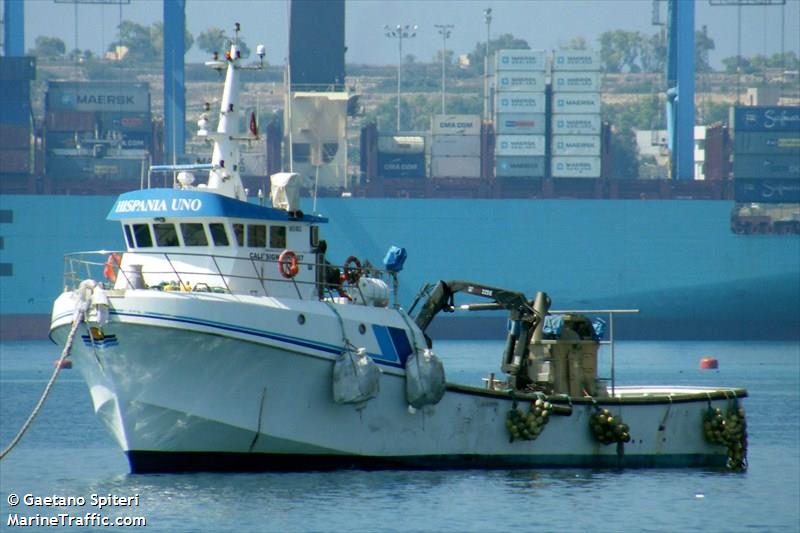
{"x":328,"y":349}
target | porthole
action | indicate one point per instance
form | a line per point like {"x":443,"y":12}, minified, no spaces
{"x":362,"y":328}
{"x":301,"y":319}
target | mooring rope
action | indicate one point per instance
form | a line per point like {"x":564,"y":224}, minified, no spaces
{"x":78,"y":318}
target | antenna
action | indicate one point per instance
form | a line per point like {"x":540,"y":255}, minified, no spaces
{"x":288,"y":88}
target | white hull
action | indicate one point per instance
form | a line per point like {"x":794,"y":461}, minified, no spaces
{"x":188,"y":381}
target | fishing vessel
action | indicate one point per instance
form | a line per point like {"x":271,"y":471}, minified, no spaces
{"x":222,"y":338}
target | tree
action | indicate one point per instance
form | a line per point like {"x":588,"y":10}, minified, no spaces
{"x":715,"y":112}
{"x":759,"y":63}
{"x":503,"y":42}
{"x":620,"y":49}
{"x":653,"y":55}
{"x":743,"y":63}
{"x":623,"y":153}
{"x":416,"y":111}
{"x":448,"y":57}
{"x":643,"y":114}
{"x":137,"y":38}
{"x":703,"y":44}
{"x":214,"y":40}
{"x":49,"y":47}
{"x":576,"y":43}
{"x":157,"y":37}
{"x":627,"y":51}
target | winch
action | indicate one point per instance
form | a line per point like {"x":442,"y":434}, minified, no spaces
{"x":555,"y":354}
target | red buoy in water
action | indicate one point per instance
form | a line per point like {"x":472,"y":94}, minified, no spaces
{"x":709,"y":363}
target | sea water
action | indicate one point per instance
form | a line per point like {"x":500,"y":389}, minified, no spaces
{"x":67,"y":453}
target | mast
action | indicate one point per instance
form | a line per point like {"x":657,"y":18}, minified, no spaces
{"x":224,"y":177}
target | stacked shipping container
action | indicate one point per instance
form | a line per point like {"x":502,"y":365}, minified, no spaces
{"x":401,"y":156}
{"x":520,"y":113}
{"x":16,"y":156}
{"x":456,"y":146}
{"x":766,"y":153}
{"x":97,"y":130}
{"x":576,"y":124}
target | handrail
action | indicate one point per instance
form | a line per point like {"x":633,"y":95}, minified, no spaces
{"x":76,"y":261}
{"x":591,"y":311}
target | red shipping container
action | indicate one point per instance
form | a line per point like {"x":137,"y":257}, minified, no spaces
{"x":15,"y":136}
{"x":71,"y":121}
{"x":718,"y":153}
{"x":15,"y":161}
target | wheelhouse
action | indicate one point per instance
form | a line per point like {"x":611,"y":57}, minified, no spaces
{"x":198,"y":240}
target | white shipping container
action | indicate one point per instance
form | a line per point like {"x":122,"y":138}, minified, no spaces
{"x":519,"y":145}
{"x":576,"y":81}
{"x":401,"y":144}
{"x":520,"y":123}
{"x":576,"y":124}
{"x":520,"y":81}
{"x":576,"y":103}
{"x":456,"y":167}
{"x":522,"y":167}
{"x":512,"y":102}
{"x":456,"y":125}
{"x":578,"y":60}
{"x":575,"y":167}
{"x":576,"y":145}
{"x":520,"y":60}
{"x":456,"y":145}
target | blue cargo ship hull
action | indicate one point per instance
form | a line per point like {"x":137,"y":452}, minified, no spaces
{"x":676,"y":260}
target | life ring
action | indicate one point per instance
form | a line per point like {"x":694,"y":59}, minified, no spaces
{"x":352,"y":269}
{"x":111,"y":267}
{"x":287,"y":264}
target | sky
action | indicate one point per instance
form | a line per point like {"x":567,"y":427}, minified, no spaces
{"x":545,"y":24}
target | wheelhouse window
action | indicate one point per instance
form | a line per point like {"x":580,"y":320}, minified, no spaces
{"x":129,"y":237}
{"x":166,"y":234}
{"x":314,"y":236}
{"x":193,"y":234}
{"x":141,"y":233}
{"x":238,"y":230}
{"x":256,"y":236}
{"x":277,"y":236}
{"x":218,"y":234}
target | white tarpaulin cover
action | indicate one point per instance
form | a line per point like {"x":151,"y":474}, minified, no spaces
{"x":356,"y":377}
{"x":425,"y":381}
{"x":285,"y":191}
